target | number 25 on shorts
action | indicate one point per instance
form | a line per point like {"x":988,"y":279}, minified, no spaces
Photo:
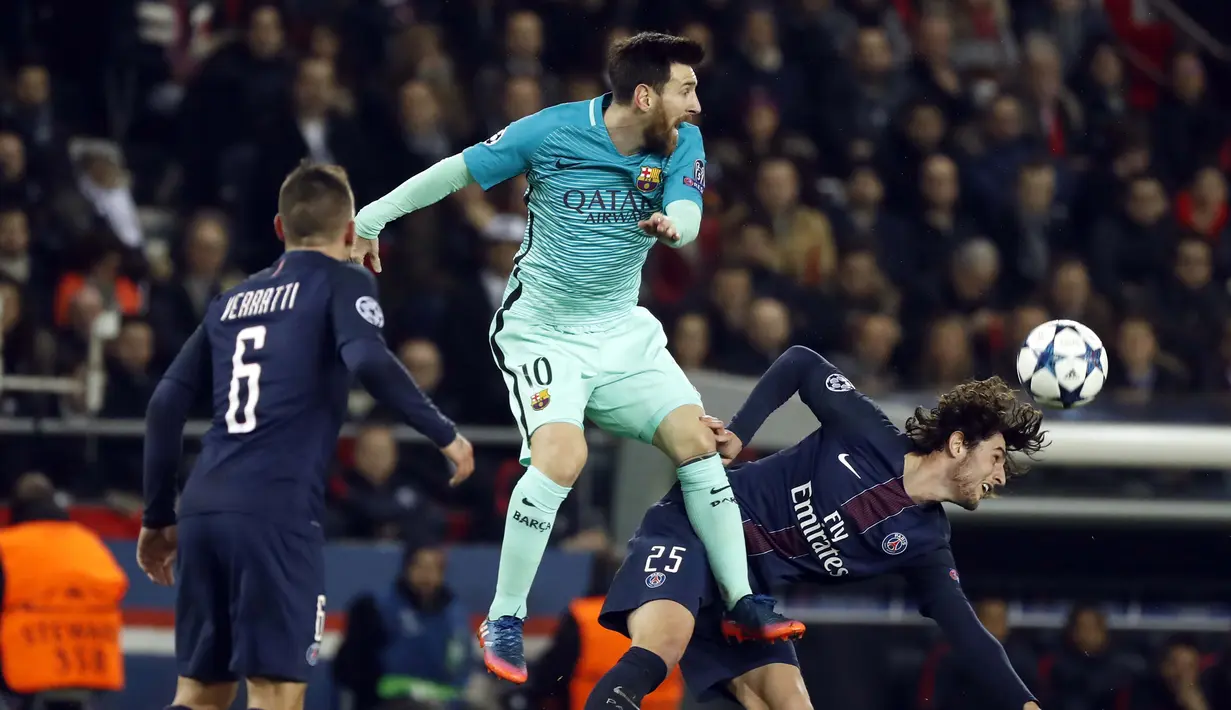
{"x":656,"y":554}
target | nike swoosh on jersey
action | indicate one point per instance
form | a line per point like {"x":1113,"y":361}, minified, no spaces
{"x":561,"y":165}
{"x":842,"y":460}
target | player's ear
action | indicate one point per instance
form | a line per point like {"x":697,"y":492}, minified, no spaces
{"x":957,"y":444}
{"x":643,"y":97}
{"x":278,"y":228}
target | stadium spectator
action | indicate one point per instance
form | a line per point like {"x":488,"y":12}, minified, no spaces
{"x":948,"y":356}
{"x":1034,"y":229}
{"x":1102,"y":88}
{"x":411,"y":641}
{"x":1074,"y":25}
{"x":106,"y":185}
{"x":691,"y":341}
{"x":1202,"y":210}
{"x":1070,"y":295}
{"x":1127,"y":248}
{"x":1192,"y":301}
{"x":1188,"y":127}
{"x":1085,"y":672}
{"x":177,"y":304}
{"x":802,"y":235}
{"x":1057,"y":112}
{"x":932,"y":71}
{"x":869,"y":357}
{"x":1176,"y":682}
{"x":375,"y":499}
{"x":1142,"y":371}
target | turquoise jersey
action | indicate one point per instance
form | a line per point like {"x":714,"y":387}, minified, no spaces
{"x":581,"y":261}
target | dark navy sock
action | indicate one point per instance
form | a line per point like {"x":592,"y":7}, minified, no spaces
{"x":637,"y":674}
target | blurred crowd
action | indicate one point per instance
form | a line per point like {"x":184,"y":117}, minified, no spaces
{"x":909,"y":192}
{"x":1087,"y":668}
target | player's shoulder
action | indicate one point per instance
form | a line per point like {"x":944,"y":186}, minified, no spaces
{"x":689,"y":132}
{"x":537,"y":126}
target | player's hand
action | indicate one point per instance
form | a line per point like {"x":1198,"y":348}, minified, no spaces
{"x":461,"y":454}
{"x":366,"y":250}
{"x":726,"y":442}
{"x":659,"y":225}
{"x":156,"y":554}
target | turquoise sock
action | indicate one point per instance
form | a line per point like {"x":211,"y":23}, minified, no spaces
{"x":527,"y":527}
{"x":716,"y":517}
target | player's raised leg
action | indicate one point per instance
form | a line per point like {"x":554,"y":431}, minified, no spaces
{"x":660,"y":631}
{"x":557,"y":454}
{"x":547,"y":396}
{"x":191,"y":694}
{"x":777,"y":686}
{"x":645,"y":395}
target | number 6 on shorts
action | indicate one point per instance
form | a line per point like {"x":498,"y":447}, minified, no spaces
{"x":320,"y":618}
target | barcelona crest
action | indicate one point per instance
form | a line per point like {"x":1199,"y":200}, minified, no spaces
{"x":649,"y":178}
{"x":540,"y":400}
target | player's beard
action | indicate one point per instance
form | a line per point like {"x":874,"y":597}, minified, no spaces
{"x":661,"y":135}
{"x":969,"y":485}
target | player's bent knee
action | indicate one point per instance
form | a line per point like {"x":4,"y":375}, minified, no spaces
{"x":777,"y":686}
{"x":558,"y":449}
{"x":683,"y":437}
{"x":662,"y":627}
{"x":194,"y":694}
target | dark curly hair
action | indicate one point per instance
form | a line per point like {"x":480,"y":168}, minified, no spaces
{"x":979,"y":409}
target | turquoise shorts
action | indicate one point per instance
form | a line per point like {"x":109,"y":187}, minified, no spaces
{"x":618,"y":375}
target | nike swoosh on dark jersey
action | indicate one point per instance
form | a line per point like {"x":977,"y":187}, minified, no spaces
{"x":716,"y":491}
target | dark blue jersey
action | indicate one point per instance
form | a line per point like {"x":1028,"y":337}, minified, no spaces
{"x":277,"y":353}
{"x":833,"y":509}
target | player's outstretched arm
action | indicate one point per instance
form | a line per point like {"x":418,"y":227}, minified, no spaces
{"x":357,"y":323}
{"x":488,"y":163}
{"x":427,"y":188}
{"x":934,"y":582}
{"x":831,"y":397}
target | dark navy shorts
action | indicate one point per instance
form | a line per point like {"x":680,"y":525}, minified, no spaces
{"x":250,"y":602}
{"x":666,"y":560}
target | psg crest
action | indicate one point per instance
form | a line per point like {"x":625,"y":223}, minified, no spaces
{"x":654,"y":581}
{"x":649,"y":178}
{"x":894,"y":543}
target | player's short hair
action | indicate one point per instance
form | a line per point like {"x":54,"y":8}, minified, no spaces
{"x":315,"y":203}
{"x":646,"y":58}
{"x":979,"y":409}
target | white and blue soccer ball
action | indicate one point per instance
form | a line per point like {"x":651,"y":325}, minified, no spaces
{"x":1062,"y":364}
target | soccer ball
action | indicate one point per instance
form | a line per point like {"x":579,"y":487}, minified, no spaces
{"x":1062,"y":364}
